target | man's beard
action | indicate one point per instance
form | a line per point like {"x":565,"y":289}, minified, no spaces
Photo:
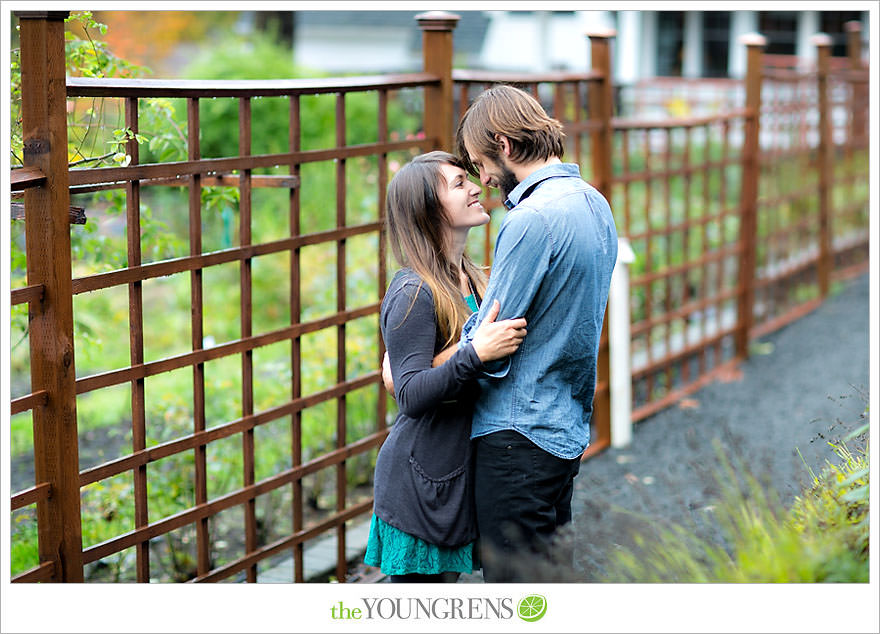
{"x":508,"y":182}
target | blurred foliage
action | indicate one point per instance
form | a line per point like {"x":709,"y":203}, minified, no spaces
{"x":155,"y":37}
{"x":102,"y":318}
{"x":87,"y":56}
{"x":823,"y":537}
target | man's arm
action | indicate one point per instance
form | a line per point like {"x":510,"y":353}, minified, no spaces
{"x":386,"y":374}
{"x":522,"y":257}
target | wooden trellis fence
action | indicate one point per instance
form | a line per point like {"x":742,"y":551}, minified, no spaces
{"x":717,"y":247}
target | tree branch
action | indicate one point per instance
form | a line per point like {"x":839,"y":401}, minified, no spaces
{"x":90,"y":160}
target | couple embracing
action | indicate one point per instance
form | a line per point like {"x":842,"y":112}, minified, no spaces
{"x":494,"y":379}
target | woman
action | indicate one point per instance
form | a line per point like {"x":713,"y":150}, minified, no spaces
{"x":423,"y":527}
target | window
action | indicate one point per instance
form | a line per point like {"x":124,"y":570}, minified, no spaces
{"x":780,"y":29}
{"x":834,"y":24}
{"x":670,"y":43}
{"x":716,"y":43}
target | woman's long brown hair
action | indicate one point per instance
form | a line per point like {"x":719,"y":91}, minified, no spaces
{"x":416,"y":231}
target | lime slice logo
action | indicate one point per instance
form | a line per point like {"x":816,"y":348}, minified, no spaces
{"x":532,"y":607}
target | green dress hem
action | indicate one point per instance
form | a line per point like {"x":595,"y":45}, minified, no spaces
{"x":395,"y":552}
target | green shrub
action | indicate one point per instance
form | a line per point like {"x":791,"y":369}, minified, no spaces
{"x":823,"y":537}
{"x":101,"y":318}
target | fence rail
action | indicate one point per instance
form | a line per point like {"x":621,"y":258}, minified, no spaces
{"x":686,"y":283}
{"x":727,"y":249}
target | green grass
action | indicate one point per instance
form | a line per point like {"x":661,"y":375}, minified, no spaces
{"x":822,"y":537}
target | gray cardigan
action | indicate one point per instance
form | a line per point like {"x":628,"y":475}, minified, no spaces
{"x":424,"y":471}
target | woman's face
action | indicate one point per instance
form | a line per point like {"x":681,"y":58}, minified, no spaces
{"x":459,"y":197}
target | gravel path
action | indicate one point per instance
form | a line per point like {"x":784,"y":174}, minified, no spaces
{"x":802,"y":386}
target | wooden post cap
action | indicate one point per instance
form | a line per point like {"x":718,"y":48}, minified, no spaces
{"x":752,"y":39}
{"x":44,"y":15}
{"x":601,"y":33}
{"x":821,"y":39}
{"x":437,"y":21}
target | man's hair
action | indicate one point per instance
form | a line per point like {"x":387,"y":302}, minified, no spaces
{"x":513,"y":113}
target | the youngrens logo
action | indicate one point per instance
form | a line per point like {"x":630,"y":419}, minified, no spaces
{"x":532,"y":608}
{"x":529,"y":608}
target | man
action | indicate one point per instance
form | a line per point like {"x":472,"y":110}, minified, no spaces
{"x":554,"y":255}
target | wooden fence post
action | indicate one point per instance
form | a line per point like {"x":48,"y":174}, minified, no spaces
{"x":825,"y":164}
{"x":437,"y":27}
{"x":56,"y":450}
{"x":859,"y":103}
{"x":601,"y":102}
{"x":748,"y":235}
{"x":601,"y":110}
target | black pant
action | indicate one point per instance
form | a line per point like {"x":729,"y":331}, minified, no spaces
{"x":523,"y":494}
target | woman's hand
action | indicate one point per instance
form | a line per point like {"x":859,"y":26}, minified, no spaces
{"x":497,"y":339}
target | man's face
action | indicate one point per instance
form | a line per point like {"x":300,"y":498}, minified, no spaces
{"x":494,"y":172}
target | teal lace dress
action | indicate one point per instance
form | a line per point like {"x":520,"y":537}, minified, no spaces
{"x":395,"y":552}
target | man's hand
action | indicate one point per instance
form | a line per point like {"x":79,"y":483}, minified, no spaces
{"x":386,"y":374}
{"x":444,"y":355}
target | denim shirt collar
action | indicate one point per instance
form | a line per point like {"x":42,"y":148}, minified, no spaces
{"x":522,"y":191}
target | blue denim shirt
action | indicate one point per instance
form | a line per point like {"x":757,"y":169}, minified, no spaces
{"x":553,"y":260}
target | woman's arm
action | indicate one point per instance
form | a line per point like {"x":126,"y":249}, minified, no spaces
{"x":409,"y":329}
{"x":492,"y":340}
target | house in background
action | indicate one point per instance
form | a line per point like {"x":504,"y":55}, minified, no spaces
{"x":367,"y":42}
{"x":706,"y":43}
{"x":648,"y":43}
{"x":390,"y":41}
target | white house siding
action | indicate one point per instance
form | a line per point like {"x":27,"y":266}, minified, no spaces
{"x":693,"y":44}
{"x":337,"y":50}
{"x":647,"y":49}
{"x":741,"y":22}
{"x":535,"y":41}
{"x":627,"y":46}
{"x":808,"y":26}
